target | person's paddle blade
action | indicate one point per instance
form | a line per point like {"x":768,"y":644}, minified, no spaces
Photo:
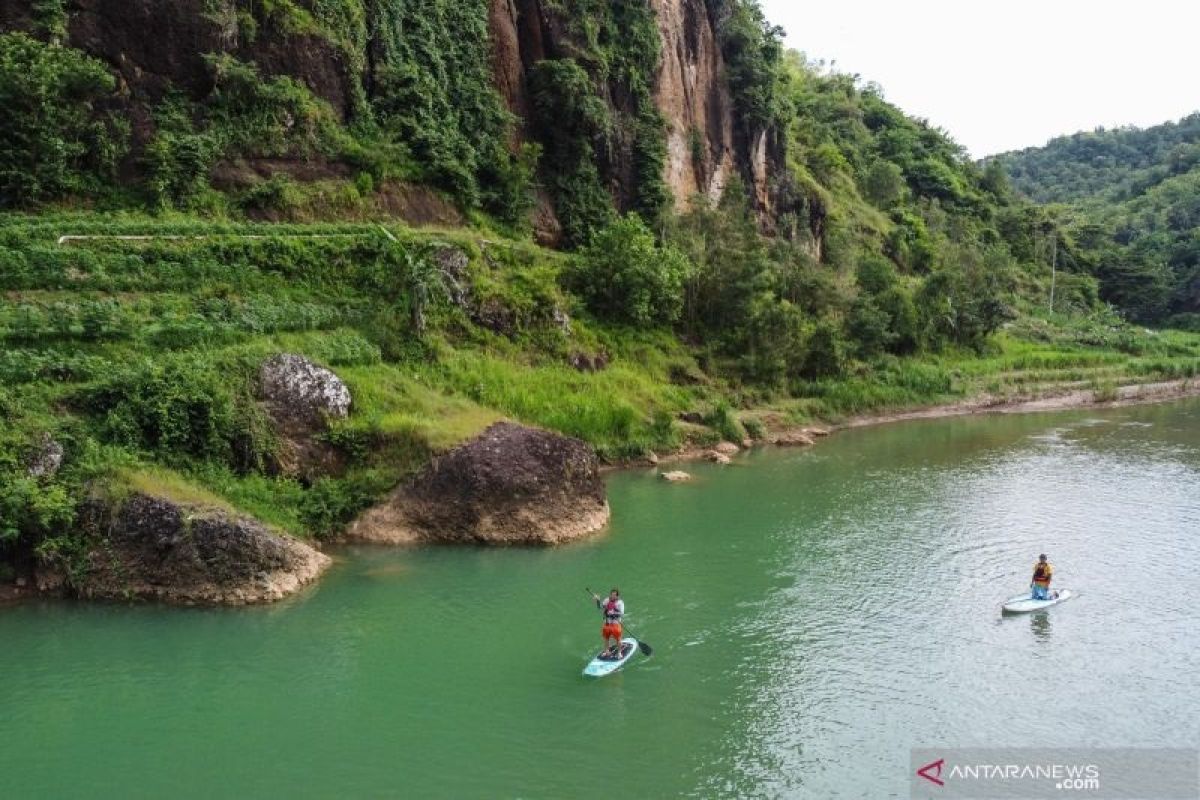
{"x":645,"y":648}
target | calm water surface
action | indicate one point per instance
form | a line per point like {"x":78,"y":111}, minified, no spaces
{"x":814,"y":615}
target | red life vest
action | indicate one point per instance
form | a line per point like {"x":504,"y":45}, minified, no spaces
{"x":1042,"y":573}
{"x":612,"y":612}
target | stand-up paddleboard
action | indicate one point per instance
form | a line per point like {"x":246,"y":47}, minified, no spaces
{"x":598,"y":667}
{"x":1023,"y":604}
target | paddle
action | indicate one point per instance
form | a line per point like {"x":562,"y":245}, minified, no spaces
{"x":645,"y":648}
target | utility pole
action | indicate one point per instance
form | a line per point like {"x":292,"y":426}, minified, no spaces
{"x":1053,"y":266}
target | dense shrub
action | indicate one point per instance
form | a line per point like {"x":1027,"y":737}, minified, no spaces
{"x":180,"y":409}
{"x":56,"y":138}
{"x":826,"y":357}
{"x":331,"y":503}
{"x":572,"y":122}
{"x":626,"y":276}
{"x":30,"y":509}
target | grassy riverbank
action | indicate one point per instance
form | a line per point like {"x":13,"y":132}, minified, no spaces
{"x":138,"y":356}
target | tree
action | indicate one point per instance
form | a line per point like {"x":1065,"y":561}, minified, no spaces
{"x":732,"y":266}
{"x":884,"y":184}
{"x":625,"y":275}
{"x":774,"y":340}
{"x":875,"y":274}
{"x":995,"y":179}
{"x":870,"y":328}
{"x":826,"y":355}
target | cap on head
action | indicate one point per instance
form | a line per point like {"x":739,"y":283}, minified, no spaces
{"x":1042,"y":557}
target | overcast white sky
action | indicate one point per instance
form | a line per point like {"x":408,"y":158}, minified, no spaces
{"x":1004,"y":74}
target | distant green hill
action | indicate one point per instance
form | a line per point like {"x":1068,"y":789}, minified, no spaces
{"x":1135,"y":221}
{"x":1110,"y":164}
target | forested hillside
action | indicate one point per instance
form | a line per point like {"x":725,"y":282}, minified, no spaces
{"x":639,"y":223}
{"x":1104,"y":164}
{"x":1135,"y":216}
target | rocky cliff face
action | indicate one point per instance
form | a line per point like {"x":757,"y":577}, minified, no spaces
{"x":692,"y":96}
{"x":154,"y":46}
{"x":703,"y":152}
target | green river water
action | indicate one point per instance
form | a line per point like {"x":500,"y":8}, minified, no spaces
{"x":814,"y":615}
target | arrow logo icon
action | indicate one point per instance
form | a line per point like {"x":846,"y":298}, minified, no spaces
{"x":932,"y":772}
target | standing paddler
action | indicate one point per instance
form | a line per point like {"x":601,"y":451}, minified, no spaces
{"x":613,"y":609}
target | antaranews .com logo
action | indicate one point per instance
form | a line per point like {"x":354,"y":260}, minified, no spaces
{"x":1031,"y":773}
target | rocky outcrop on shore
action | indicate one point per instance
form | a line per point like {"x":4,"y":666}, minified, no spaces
{"x":154,"y":548}
{"x":513,"y":485}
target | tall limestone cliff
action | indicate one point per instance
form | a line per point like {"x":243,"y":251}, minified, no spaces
{"x":157,"y":48}
{"x":689,"y":90}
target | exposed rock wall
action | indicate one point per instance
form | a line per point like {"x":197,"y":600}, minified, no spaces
{"x":692,"y":95}
{"x":703,"y":152}
{"x":153,"y":45}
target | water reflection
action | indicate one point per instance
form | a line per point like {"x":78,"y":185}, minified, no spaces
{"x":1039,"y":624}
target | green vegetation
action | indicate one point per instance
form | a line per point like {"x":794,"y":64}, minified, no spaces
{"x":422,"y":107}
{"x":1116,"y":164}
{"x":140,"y":357}
{"x":626,"y":277}
{"x":898,"y":273}
{"x":1135,"y":198}
{"x":55,"y":137}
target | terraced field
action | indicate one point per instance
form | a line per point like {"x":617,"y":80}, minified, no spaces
{"x":135,"y":341}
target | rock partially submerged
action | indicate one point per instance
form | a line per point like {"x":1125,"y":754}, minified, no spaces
{"x":157,"y":549}
{"x":727,"y":448}
{"x":792,"y":439}
{"x":675,"y":476}
{"x":512,"y":485}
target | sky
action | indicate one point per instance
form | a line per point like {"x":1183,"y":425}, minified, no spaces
{"x":1001,"y":75}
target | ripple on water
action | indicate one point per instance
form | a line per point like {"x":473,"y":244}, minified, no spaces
{"x":813,"y":618}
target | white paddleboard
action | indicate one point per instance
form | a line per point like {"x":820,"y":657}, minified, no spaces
{"x":599,"y":667}
{"x":1023,"y":604}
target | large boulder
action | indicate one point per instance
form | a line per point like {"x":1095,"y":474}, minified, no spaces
{"x":512,"y":485}
{"x":155,"y":548}
{"x":301,"y":397}
{"x":295,"y":387}
{"x":792,"y":439}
